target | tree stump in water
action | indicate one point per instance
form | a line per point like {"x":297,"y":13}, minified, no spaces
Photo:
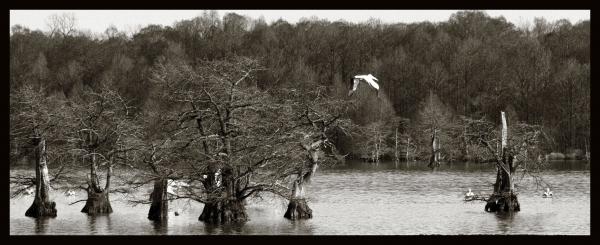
{"x":506,"y":202}
{"x":97,"y":203}
{"x":42,"y":206}
{"x":298,"y":209}
{"x":160,"y":206}
{"x":226,"y":211}
{"x":41,"y":209}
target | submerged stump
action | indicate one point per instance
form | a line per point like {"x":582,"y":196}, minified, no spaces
{"x":298,"y":209}
{"x":225,"y":211}
{"x":506,"y":202}
{"x":40,"y":208}
{"x":97,"y":203}
{"x":160,"y":207}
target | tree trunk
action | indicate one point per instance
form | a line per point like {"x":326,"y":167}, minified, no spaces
{"x":433,"y":159}
{"x":94,"y":181}
{"x":230,"y":210}
{"x":504,"y":199}
{"x":225,"y":207}
{"x":396,"y":155}
{"x":42,"y":206}
{"x":98,"y":201}
{"x":160,"y":206}
{"x":505,"y":202}
{"x":506,"y":158}
{"x":438,"y":153}
{"x":587,"y":151}
{"x":378,"y":146}
{"x":298,"y":209}
{"x":407,"y":148}
{"x":466,"y":146}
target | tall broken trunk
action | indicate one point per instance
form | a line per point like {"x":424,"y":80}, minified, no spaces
{"x":407,"y":148}
{"x":466,"y":155}
{"x":434,"y":158}
{"x":42,"y":206}
{"x":97,"y":201}
{"x":378,"y":148}
{"x":298,"y":207}
{"x":587,"y":151}
{"x":223,"y":206}
{"x":504,"y":199}
{"x":160,"y":206}
{"x":396,"y":154}
{"x":438,"y":153}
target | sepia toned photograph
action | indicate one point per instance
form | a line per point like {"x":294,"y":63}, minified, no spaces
{"x":299,"y":122}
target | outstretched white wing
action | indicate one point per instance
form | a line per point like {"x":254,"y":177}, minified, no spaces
{"x":370,"y":79}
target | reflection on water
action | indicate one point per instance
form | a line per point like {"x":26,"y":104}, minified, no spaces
{"x":355,"y":198}
{"x":505,"y":221}
{"x":160,"y":227}
{"x":99,"y":224}
{"x":41,"y":224}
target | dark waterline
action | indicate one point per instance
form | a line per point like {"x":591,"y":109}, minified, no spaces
{"x":356,"y":198}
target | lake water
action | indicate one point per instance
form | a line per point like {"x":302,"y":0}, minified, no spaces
{"x":355,"y":199}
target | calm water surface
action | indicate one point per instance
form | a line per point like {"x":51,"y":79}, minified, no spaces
{"x":357,"y":198}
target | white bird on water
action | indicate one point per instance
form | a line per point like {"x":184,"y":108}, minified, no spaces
{"x":470,"y":193}
{"x":370,"y":79}
{"x":547,"y":193}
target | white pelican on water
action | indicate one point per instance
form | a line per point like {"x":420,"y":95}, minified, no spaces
{"x":370,"y":79}
{"x":547,"y":193}
{"x":469,"y":195}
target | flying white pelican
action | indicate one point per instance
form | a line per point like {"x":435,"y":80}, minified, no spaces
{"x":370,"y":79}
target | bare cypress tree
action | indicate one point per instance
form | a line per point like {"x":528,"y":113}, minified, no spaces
{"x":101,"y":133}
{"x":519,"y":149}
{"x":317,"y":116}
{"x":239,"y":139}
{"x":434,"y":119}
{"x":35,"y":127}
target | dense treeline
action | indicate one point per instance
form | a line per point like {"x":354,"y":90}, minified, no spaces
{"x":471,"y":65}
